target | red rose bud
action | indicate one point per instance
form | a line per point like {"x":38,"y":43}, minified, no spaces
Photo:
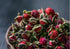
{"x":68,"y":37}
{"x":43,"y":21}
{"x":60,"y":21}
{"x":40,"y":10}
{"x":28,"y":27}
{"x":56,"y":15}
{"x":30,"y":47}
{"x":52,"y":43}
{"x":32,"y":21}
{"x":25,"y":36}
{"x":59,"y":47}
{"x":38,"y":28}
{"x":57,"y":26}
{"x":44,"y":48}
{"x":53,"y":34}
{"x":11,"y":34}
{"x":12,"y":38}
{"x":23,"y":42}
{"x":35,"y":13}
{"x":49,"y":11}
{"x":17,"y":47}
{"x":67,"y":44}
{"x":50,"y":17}
{"x":62,"y":39}
{"x":26,"y":16}
{"x":37,"y":37}
{"x":19,"y":19}
{"x":42,"y":41}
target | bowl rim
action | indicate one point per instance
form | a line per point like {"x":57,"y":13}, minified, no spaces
{"x":7,"y":40}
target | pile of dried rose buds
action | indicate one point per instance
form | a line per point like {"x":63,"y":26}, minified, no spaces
{"x":39,"y":29}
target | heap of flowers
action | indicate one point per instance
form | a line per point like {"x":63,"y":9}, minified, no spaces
{"x":39,"y":29}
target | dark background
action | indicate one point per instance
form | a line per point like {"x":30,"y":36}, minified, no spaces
{"x":10,"y":8}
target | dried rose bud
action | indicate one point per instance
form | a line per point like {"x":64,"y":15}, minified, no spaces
{"x":53,"y":19}
{"x":44,"y":48}
{"x":57,"y":26}
{"x":23,"y":42}
{"x":49,"y":11}
{"x":37,"y":37}
{"x":56,"y":15}
{"x":40,"y":10}
{"x":25,"y":36}
{"x":19,"y":19}
{"x":34,"y":45}
{"x":52,"y":43}
{"x":60,"y":21}
{"x":32,"y":21}
{"x":53,"y":34}
{"x":59,"y":47}
{"x":17,"y":47}
{"x":35,"y":13}
{"x":30,"y":47}
{"x":43,"y":21}
{"x":12,"y":38}
{"x":37,"y":29}
{"x":26,"y":16}
{"x":28,"y":27}
{"x":62,"y":39}
{"x":11,"y":34}
{"x":67,"y":44}
{"x":50,"y":17}
{"x":43,"y":41}
{"x":68,"y":37}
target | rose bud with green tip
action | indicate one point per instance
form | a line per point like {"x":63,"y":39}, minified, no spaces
{"x":50,"y":17}
{"x":59,"y":47}
{"x":43,"y":41}
{"x":53,"y":34}
{"x":37,"y":28}
{"x":52,"y":43}
{"x":32,"y":21}
{"x":23,"y":42}
{"x":25,"y":36}
{"x":56,"y":15}
{"x":40,"y":10}
{"x":35,"y":13}
{"x":26,"y":16}
{"x":43,"y":21}
{"x":49,"y":11}
{"x":28,"y":27}
{"x":60,"y":21}
{"x":11,"y":34}
{"x":22,"y":45}
{"x":12,"y":38}
{"x":19,"y":19}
